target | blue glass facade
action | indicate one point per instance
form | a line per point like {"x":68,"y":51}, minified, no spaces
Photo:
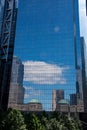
{"x":48,"y":43}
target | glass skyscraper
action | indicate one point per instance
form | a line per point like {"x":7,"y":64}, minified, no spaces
{"x":48,"y":42}
{"x":8,"y":11}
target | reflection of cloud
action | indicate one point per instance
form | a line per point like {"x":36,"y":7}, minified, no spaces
{"x":30,"y":91}
{"x":56,"y":29}
{"x":39,"y":72}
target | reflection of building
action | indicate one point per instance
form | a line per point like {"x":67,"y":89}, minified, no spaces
{"x":33,"y":105}
{"x":81,"y":75}
{"x":16,"y":94}
{"x":62,"y":106}
{"x":56,"y":96}
{"x":7,"y":36}
{"x":83,"y":57}
{"x":79,"y":84}
{"x":17,"y":72}
{"x":73,"y":99}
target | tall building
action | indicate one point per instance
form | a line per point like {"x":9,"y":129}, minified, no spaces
{"x":55,"y":40}
{"x":57,"y":95}
{"x":16,"y":93}
{"x":7,"y":37}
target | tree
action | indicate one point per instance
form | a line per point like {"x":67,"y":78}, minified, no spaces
{"x":53,"y":124}
{"x":2,"y":115}
{"x":14,"y":120}
{"x":61,"y":122}
{"x":33,"y":122}
{"x":71,"y":123}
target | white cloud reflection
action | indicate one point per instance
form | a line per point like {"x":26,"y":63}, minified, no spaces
{"x":39,"y":72}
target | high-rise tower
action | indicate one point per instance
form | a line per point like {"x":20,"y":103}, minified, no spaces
{"x":16,"y":93}
{"x":8,"y":26}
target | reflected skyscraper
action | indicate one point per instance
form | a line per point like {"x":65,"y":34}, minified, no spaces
{"x":16,"y":93}
{"x":84,"y":70}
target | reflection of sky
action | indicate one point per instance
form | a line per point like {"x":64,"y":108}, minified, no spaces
{"x":45,"y":44}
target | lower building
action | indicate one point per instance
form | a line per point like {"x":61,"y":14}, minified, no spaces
{"x":57,"y":95}
{"x":63,"y":106}
{"x":33,"y":105}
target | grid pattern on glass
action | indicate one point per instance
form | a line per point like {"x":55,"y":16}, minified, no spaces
{"x":48,"y":46}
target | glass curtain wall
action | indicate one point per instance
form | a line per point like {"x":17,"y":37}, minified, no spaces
{"x":48,"y":45}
